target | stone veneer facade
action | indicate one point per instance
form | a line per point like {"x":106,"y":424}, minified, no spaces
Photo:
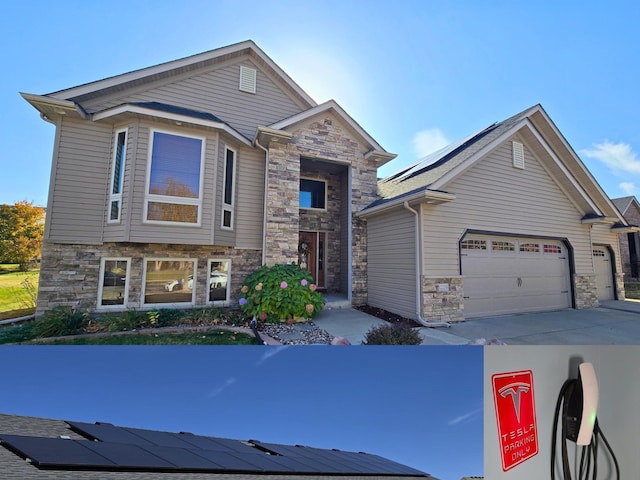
{"x":586,"y":291}
{"x":326,"y":140}
{"x":69,"y":274}
{"x":443,"y":299}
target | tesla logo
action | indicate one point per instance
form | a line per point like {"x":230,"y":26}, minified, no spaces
{"x":516,"y":417}
{"x":515,"y":389}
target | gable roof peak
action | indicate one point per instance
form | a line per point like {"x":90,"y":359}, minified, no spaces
{"x":188,"y":63}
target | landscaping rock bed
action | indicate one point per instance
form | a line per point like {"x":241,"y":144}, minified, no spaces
{"x":306,"y":333}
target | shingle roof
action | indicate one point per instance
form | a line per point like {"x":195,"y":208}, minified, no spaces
{"x":105,"y":447}
{"x":623,"y":203}
{"x":431,"y":168}
{"x":163,"y":107}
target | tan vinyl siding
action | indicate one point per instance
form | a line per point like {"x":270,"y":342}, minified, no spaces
{"x":77,"y":201}
{"x":391,"y":262}
{"x":157,"y":233}
{"x":216,"y":91}
{"x":250,"y":198}
{"x":602,"y":235}
{"x":493,"y":196}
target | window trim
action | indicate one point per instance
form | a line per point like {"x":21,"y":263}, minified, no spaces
{"x":117,"y":197}
{"x":229,"y":207}
{"x":124,"y":305}
{"x":326,"y":193}
{"x":143,"y":289}
{"x":227,"y":301}
{"x":155,"y":198}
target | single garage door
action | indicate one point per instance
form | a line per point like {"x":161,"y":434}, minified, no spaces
{"x":512,"y":275}
{"x":604,"y":273}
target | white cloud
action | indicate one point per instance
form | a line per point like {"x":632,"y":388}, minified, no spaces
{"x":429,"y":141}
{"x":628,"y":187}
{"x":270,"y":352}
{"x":617,"y":156}
{"x":466,"y":418}
{"x":222,"y":387}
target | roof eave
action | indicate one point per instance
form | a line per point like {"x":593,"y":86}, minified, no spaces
{"x":423,"y":196}
{"x":174,"y":117}
{"x":265,"y":135}
{"x":625,"y":228}
{"x":52,"y":108}
{"x":380,"y":157}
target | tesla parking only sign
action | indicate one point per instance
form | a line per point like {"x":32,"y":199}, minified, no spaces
{"x":516,"y":416}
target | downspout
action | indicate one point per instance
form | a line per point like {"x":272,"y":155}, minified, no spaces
{"x":421,"y":319}
{"x":264,"y":210}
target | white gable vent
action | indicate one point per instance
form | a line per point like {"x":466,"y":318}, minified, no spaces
{"x":247,"y":79}
{"x":518,"y":154}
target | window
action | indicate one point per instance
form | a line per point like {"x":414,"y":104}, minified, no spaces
{"x":473,"y":245}
{"x":599,"y":253}
{"x":312,"y":194}
{"x":219,"y":281}
{"x":169,"y":280}
{"x":502,"y":246}
{"x":530,"y":247}
{"x":117,"y":174}
{"x":174,"y":179}
{"x":550,"y":248}
{"x":228,"y":189}
{"x":113,"y":284}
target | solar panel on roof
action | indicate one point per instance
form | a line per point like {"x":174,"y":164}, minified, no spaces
{"x":127,"y":455}
{"x":164,"y":439}
{"x":106,"y":432}
{"x":229,"y":461}
{"x":184,"y":458}
{"x":54,"y":451}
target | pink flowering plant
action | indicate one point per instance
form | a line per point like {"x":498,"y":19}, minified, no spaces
{"x":279,"y":293}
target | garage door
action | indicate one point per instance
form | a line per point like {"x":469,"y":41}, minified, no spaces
{"x":512,"y":275}
{"x":604,"y":273}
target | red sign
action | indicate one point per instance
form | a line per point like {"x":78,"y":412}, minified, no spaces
{"x":516,"y":415}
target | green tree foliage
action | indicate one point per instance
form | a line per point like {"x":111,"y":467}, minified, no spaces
{"x":21,"y":230}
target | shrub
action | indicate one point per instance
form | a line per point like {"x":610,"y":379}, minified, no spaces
{"x":392,"y":334}
{"x":58,"y":322}
{"x":280,"y":292}
{"x":17,"y":333}
{"x":128,"y":320}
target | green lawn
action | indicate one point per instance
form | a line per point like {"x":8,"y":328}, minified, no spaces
{"x":210,"y":337}
{"x":15,"y":300}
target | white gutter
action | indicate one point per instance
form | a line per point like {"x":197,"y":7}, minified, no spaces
{"x":421,"y":319}
{"x":424,"y":196}
{"x":264,"y":209}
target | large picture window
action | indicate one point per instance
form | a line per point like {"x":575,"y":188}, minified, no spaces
{"x":313,"y":193}
{"x":219,"y":281}
{"x":228,"y":188}
{"x":117,"y":176}
{"x":169,"y":280}
{"x":174,"y":179}
{"x":114,"y":282}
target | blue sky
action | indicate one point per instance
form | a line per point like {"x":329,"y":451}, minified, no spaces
{"x":415,"y":74}
{"x":420,"y":406}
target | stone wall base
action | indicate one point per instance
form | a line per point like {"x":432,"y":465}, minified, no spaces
{"x":442,"y":299}
{"x":69,"y":273}
{"x":621,"y":294}
{"x":586,"y":291}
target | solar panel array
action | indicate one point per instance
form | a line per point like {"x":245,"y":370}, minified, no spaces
{"x":132,"y":449}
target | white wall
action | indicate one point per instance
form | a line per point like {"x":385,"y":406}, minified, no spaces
{"x":619,"y":380}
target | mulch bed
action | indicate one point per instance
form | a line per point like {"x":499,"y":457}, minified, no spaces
{"x":388,"y":316}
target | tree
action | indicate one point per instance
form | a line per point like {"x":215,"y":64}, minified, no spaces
{"x":21,"y":230}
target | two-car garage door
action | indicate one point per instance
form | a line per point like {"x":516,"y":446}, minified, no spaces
{"x":510,"y":275}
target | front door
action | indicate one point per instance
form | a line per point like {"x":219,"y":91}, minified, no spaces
{"x":311,"y":255}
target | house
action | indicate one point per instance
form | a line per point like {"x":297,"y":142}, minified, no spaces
{"x":629,"y":242}
{"x":38,"y":448}
{"x":507,"y":220}
{"x":171,"y":183}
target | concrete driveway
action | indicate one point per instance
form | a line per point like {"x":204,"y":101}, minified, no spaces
{"x":614,"y":323}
